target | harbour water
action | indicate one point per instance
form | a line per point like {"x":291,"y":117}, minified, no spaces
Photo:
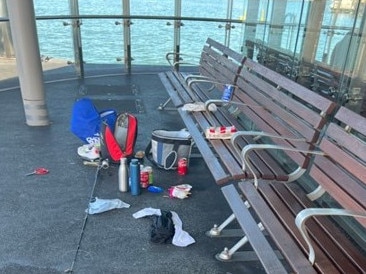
{"x":102,"y":39}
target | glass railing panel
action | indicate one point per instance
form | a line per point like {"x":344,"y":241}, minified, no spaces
{"x":55,"y":8}
{"x":352,"y":83}
{"x":102,"y":41}
{"x":194,"y":35}
{"x":151,"y":39}
{"x":237,"y":33}
{"x":55,"y":41}
{"x":54,"y":35}
{"x":97,"y":7}
{"x":204,"y":9}
{"x":257,"y":18}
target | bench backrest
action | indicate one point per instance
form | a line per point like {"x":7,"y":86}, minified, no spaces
{"x":289,"y":109}
{"x":220,"y":63}
{"x":342,"y":173}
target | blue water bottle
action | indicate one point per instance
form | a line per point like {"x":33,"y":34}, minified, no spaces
{"x":135,"y":177}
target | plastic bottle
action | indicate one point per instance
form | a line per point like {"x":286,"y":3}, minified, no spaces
{"x":123,"y":175}
{"x":135,"y":177}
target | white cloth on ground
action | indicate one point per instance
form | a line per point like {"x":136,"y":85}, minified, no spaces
{"x":181,"y":238}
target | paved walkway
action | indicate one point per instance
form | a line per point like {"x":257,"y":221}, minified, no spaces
{"x":8,"y":67}
{"x":43,"y":217}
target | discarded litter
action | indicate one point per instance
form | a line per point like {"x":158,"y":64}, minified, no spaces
{"x":103,"y":205}
{"x":181,"y":238}
{"x":198,"y":106}
{"x":162,"y":228}
{"x":180,"y":191}
{"x":155,"y":189}
{"x":38,"y":171}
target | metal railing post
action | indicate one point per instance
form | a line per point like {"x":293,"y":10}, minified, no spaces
{"x":76,"y":37}
{"x":127,"y":35}
{"x":177,"y":25}
{"x":228,"y":26}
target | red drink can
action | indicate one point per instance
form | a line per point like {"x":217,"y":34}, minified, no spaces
{"x":144,"y":178}
{"x":182,"y":166}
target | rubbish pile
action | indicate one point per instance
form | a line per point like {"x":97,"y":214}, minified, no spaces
{"x":109,"y":139}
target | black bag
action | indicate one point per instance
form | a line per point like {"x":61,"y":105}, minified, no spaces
{"x":162,"y":228}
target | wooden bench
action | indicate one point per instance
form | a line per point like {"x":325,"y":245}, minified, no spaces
{"x":218,"y":65}
{"x":267,"y":108}
{"x":303,"y":227}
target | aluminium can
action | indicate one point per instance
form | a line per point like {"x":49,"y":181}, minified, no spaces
{"x":228,"y":93}
{"x":144,"y":178}
{"x":182,"y":166}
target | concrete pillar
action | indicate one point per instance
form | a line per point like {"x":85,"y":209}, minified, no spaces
{"x":29,"y":67}
{"x":277,"y":22}
{"x":313,"y":30}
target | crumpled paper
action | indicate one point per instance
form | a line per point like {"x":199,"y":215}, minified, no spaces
{"x":180,"y":191}
{"x":198,"y":106}
{"x":181,"y":238}
{"x":103,"y":205}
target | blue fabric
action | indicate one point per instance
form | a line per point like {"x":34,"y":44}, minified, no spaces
{"x":109,"y":117}
{"x":85,"y":120}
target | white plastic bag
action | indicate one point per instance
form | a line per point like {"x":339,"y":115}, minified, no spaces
{"x":102,"y":205}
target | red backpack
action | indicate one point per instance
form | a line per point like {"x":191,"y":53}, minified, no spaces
{"x":120,"y":142}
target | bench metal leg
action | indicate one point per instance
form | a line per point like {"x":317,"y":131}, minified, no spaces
{"x":226,"y":254}
{"x":162,"y":106}
{"x":219,"y":231}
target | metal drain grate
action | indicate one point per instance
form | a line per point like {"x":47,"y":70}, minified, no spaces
{"x":122,"y":105}
{"x":106,"y":90}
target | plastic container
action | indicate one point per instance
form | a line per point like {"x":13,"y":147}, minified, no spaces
{"x":123,"y":175}
{"x":135,"y":177}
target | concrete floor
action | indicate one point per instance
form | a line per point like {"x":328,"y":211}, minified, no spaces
{"x":42,"y":217}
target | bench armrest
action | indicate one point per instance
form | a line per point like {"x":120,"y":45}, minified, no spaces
{"x":260,"y":134}
{"x":170,"y":57}
{"x":219,"y":102}
{"x":193,"y":79}
{"x":246,"y":162}
{"x":304,"y":214}
{"x":257,"y":135}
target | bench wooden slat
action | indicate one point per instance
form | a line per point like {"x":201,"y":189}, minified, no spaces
{"x":283,"y":240}
{"x":269,"y":169}
{"x":260,"y":245}
{"x":342,"y":251}
{"x":216,"y":169}
{"x":286,"y":208}
{"x":296,"y":89}
{"x":300,"y":118}
{"x":230,"y":161}
{"x":173,"y":94}
{"x":181,"y":87}
{"x":343,"y":172}
{"x":238,"y":57}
